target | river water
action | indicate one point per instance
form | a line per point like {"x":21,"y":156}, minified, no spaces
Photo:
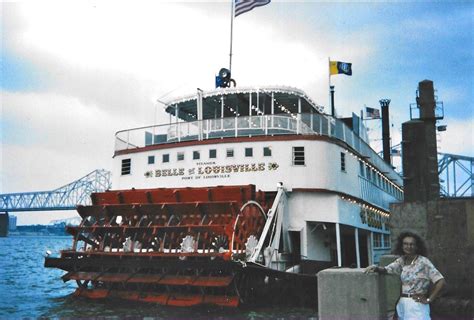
{"x":28,"y":290}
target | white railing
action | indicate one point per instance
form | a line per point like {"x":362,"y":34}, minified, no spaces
{"x":249,"y":126}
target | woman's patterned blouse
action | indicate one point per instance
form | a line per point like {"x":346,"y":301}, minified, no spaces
{"x":415,"y":277}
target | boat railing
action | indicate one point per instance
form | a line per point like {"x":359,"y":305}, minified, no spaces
{"x":249,"y":126}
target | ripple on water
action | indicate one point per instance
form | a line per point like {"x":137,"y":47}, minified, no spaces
{"x":28,"y":290}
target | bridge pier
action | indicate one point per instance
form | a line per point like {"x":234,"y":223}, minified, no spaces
{"x":4,"y":222}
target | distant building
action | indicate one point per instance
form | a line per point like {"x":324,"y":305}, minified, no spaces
{"x":11,"y":223}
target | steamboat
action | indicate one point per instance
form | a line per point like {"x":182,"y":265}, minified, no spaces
{"x":241,"y":198}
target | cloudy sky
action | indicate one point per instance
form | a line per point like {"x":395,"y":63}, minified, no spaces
{"x":74,"y":73}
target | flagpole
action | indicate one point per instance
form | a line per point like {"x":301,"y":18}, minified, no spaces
{"x":329,"y":82}
{"x":331,"y":90}
{"x":231,"y":33}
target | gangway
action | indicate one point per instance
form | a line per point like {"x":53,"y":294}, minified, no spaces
{"x":64,"y":198}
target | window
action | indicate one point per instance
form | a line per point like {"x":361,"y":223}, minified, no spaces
{"x":343,"y":161}
{"x":126,"y":166}
{"x":230,"y":153}
{"x":196,"y":155}
{"x":377,"y":240}
{"x":249,"y":152}
{"x":212,"y":153}
{"x":180,"y":156}
{"x":267,"y":151}
{"x":151,"y":159}
{"x":361,"y":168}
{"x":386,"y":241}
{"x":298,"y":156}
{"x":166,"y":158}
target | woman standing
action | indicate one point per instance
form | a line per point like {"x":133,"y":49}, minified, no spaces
{"x":416,"y":273}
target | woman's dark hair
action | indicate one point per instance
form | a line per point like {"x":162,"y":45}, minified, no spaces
{"x":420,"y":243}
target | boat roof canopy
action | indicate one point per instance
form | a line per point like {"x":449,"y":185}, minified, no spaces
{"x":232,"y":102}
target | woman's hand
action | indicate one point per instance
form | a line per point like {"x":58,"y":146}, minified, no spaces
{"x":371,"y":269}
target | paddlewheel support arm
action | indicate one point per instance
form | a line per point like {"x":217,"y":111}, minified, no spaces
{"x":271,"y":226}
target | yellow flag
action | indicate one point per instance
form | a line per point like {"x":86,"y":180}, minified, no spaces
{"x":337,"y":67}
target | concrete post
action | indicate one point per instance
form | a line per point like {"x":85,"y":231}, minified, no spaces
{"x":351,"y":294}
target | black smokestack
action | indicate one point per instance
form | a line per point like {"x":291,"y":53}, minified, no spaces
{"x":384,"y":103}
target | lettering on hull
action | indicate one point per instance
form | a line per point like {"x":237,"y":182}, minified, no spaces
{"x":209,"y":170}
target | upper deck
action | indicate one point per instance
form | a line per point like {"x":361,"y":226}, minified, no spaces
{"x":249,"y":112}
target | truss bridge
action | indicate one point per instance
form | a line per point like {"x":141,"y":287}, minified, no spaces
{"x":67,"y":197}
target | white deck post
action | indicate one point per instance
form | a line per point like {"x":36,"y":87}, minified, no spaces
{"x":273,"y":109}
{"x":298,"y":117}
{"x":222,"y":112}
{"x":178,"y":131}
{"x":199,"y":113}
{"x":356,"y":235}
{"x":338,"y":244}
{"x":371,"y":248}
{"x":250,"y":104}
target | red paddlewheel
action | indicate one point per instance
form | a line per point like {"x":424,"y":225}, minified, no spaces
{"x":248,"y":226}
{"x":169,"y":246}
{"x":170,"y":299}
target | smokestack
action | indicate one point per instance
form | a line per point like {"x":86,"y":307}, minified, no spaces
{"x":384,"y":103}
{"x":333,"y":108}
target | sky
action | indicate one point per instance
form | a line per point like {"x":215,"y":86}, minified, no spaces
{"x":73,"y":73}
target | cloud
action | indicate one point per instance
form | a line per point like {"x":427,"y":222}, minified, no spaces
{"x":54,"y":141}
{"x":458,"y":138}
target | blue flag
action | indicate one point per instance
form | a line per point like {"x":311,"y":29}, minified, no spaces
{"x":242,"y":6}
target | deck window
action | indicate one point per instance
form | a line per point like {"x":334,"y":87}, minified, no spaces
{"x":343,"y":161}
{"x":267,"y":151}
{"x":212,"y":153}
{"x":386,"y":241}
{"x":196,"y":155}
{"x":166,"y":158}
{"x":180,"y":156}
{"x":361,"y":168}
{"x":378,"y":240}
{"x":298,"y":156}
{"x":151,"y":159}
{"x":230,"y":152}
{"x":249,"y":152}
{"x":126,"y":166}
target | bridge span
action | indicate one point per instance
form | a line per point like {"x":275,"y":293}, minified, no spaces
{"x":64,"y":198}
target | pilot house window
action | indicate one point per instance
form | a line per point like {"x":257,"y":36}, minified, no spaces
{"x":126,"y":166}
{"x":298,"y":156}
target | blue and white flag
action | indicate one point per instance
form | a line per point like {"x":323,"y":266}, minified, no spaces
{"x":372,"y":113}
{"x":243,"y":6}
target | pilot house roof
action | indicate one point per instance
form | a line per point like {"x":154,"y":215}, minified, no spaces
{"x":232,"y":102}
